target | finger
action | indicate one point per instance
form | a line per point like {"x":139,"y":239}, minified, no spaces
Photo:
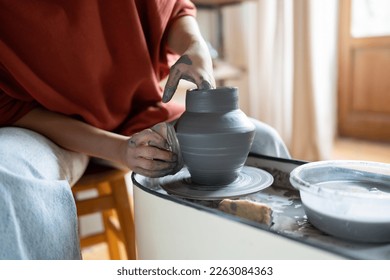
{"x":148,"y":137}
{"x":204,"y":84}
{"x":175,"y":74}
{"x":154,"y":167}
{"x":153,"y":153}
{"x":172,"y":83}
{"x":204,"y":80}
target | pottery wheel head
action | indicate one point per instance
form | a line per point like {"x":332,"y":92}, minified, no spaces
{"x":250,"y":180}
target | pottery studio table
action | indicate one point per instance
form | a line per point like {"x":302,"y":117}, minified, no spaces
{"x":171,"y":227}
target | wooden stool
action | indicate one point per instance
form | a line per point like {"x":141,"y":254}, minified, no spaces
{"x":113,"y":202}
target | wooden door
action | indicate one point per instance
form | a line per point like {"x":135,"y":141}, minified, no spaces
{"x":364,"y":81}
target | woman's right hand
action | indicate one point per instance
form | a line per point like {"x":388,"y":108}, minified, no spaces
{"x":153,"y":152}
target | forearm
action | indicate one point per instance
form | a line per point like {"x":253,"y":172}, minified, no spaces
{"x":183,"y":33}
{"x":75,"y":135}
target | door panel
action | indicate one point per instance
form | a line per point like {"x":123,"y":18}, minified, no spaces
{"x":370,"y":83}
{"x":364,"y":82}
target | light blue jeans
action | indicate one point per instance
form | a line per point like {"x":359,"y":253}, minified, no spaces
{"x":37,"y":210}
{"x":268,"y":141}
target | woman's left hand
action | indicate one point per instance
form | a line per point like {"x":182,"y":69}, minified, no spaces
{"x":195,"y":64}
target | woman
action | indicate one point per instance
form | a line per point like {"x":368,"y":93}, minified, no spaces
{"x":80,"y":79}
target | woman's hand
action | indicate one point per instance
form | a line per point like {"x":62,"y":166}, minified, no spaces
{"x":195,"y":64}
{"x":153,"y":152}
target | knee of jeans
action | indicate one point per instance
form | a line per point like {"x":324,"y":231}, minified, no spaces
{"x":28,"y":154}
{"x":267,"y":141}
{"x":265,"y":132}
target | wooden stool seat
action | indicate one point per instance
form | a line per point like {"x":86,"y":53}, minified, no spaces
{"x":113,"y":202}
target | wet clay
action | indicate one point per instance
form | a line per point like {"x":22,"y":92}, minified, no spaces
{"x":362,"y":231}
{"x":215,"y":136}
{"x":249,"y":180}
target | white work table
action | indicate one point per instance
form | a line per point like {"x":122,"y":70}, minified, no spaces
{"x":170,"y":227}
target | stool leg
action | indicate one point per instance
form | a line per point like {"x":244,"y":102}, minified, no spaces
{"x":125,"y":215}
{"x":111,"y":239}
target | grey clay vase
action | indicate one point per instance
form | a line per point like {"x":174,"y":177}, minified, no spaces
{"x":215,"y":136}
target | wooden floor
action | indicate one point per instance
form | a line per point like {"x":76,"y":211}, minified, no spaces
{"x":343,"y":149}
{"x":361,"y":150}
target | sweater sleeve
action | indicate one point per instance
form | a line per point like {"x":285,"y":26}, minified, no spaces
{"x":14,"y":103}
{"x":12,"y":109}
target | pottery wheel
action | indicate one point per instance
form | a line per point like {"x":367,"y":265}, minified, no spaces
{"x":249,"y":181}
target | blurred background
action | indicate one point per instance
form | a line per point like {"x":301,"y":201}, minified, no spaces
{"x":317,"y":71}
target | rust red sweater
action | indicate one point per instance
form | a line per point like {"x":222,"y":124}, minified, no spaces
{"x":99,"y":61}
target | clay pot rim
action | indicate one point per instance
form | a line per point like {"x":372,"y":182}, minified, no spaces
{"x":213,"y":90}
{"x":220,"y":99}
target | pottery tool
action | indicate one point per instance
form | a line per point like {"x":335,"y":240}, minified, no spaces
{"x":251,"y":210}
